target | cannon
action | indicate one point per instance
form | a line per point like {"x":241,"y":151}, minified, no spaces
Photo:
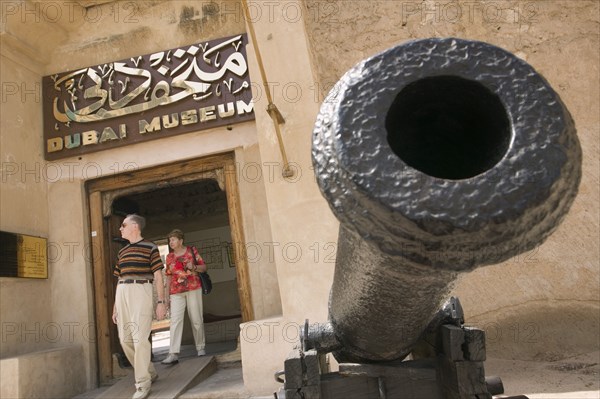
{"x":437,"y":156}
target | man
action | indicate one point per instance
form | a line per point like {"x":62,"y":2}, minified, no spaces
{"x":138,"y":265}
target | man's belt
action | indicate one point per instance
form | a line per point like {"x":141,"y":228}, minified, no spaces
{"x":135,"y":281}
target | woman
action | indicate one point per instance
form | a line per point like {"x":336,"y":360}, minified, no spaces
{"x":185,"y":289}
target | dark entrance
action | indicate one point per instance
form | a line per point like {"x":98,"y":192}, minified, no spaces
{"x":200,"y":210}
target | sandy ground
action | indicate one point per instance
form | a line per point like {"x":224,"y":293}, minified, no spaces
{"x":576,"y":377}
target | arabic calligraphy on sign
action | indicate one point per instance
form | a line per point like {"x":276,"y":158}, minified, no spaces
{"x":106,"y":105}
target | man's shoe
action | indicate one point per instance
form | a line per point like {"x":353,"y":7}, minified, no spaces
{"x":201,"y":352}
{"x":141,"y":393}
{"x":171,"y":359}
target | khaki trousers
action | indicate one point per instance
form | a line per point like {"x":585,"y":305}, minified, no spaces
{"x":193,"y":300}
{"x":134,"y":323}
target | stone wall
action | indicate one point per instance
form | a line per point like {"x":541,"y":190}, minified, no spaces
{"x":53,"y":373}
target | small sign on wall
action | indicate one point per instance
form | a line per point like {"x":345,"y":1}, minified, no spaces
{"x":23,"y":256}
{"x":190,"y":88}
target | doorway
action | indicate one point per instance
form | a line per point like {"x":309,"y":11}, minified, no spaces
{"x":199,"y":197}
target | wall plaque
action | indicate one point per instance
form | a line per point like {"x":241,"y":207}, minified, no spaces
{"x":190,"y":88}
{"x":23,"y":256}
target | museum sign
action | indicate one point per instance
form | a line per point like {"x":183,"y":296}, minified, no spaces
{"x":191,"y":88}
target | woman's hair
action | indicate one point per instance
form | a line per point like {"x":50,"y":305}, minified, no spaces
{"x":176,"y":233}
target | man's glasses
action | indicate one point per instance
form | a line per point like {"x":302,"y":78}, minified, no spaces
{"x":123,"y":225}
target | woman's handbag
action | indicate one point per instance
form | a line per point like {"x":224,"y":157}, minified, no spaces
{"x":206,"y":283}
{"x":204,"y":277}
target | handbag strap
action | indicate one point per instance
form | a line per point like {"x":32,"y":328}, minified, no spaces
{"x":194,"y":254}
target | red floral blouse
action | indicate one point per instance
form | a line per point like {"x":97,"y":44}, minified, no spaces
{"x":183,"y":280}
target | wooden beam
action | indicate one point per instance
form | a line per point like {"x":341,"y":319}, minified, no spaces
{"x":238,"y":240}
{"x":105,"y":372}
{"x":159,"y":173}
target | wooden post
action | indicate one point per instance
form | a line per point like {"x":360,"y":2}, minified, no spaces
{"x":105,"y":372}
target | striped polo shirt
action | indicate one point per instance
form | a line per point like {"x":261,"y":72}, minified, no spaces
{"x":138,"y":259}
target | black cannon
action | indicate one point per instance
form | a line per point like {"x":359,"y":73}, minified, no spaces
{"x":437,"y":156}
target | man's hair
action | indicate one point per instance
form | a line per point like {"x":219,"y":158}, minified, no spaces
{"x":137,"y":219}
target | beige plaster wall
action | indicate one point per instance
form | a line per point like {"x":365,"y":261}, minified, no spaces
{"x":543,"y":304}
{"x":120,"y":29}
{"x":266,"y":299}
{"x":53,"y":373}
{"x":304,"y":231}
{"x":26,"y":310}
{"x":265,"y":345}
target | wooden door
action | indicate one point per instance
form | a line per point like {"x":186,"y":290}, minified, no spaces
{"x":115,"y":243}
{"x":104,"y":229}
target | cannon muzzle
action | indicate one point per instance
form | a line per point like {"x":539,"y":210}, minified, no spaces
{"x":437,"y":156}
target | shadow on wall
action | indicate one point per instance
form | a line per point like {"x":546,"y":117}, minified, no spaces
{"x":542,"y":332}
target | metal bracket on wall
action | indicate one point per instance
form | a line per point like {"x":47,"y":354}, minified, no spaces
{"x":272,"y":109}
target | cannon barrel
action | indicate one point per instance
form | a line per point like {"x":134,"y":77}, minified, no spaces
{"x":437,"y":156}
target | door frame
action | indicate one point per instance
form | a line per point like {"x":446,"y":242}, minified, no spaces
{"x":100,"y":193}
